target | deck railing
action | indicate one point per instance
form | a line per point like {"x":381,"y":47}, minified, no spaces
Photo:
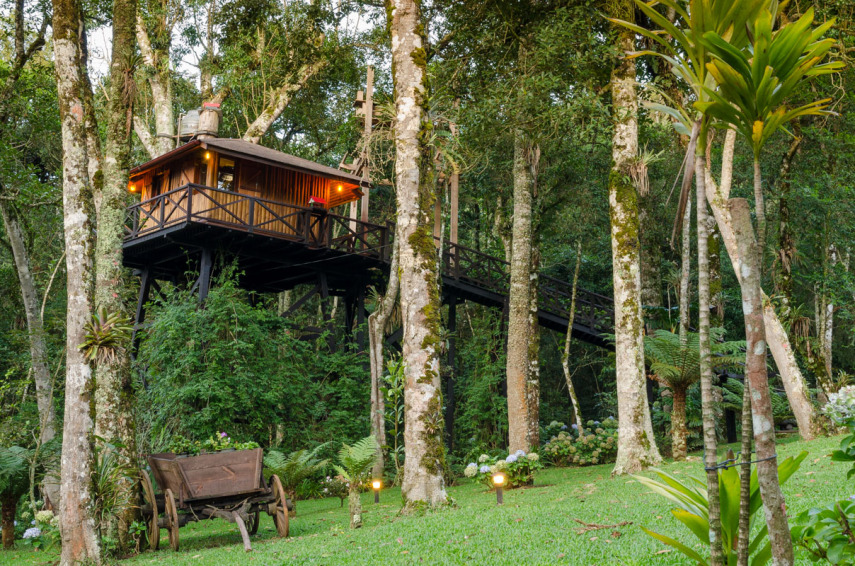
{"x":317,"y":228}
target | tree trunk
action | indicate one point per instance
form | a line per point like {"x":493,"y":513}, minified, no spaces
{"x":679,"y":432}
{"x":565,"y":356}
{"x":424,"y":452}
{"x":755,"y":370}
{"x":35,"y":328}
{"x":376,"y":333}
{"x":80,"y":537}
{"x":791,"y":376}
{"x":532,"y":384}
{"x":114,"y":391}
{"x":705,"y":364}
{"x":636,"y":443}
{"x":685,"y":273}
{"x":9,"y":507}
{"x":354,"y":505}
{"x":745,"y":478}
{"x":760,"y":210}
{"x":279,"y":100}
{"x":522,"y":367}
{"x":786,"y":240}
{"x":160,"y":80}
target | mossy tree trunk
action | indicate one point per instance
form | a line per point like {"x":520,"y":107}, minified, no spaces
{"x":424,"y":452}
{"x":679,"y":432}
{"x":114,"y":393}
{"x":80,"y":538}
{"x":755,"y":373}
{"x":522,"y":367}
{"x":155,"y":56}
{"x":35,"y":327}
{"x":636,"y":444}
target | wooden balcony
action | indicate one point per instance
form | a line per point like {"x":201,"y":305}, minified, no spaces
{"x":280,"y":245}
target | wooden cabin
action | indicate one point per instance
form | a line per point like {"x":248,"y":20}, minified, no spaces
{"x":236,"y":183}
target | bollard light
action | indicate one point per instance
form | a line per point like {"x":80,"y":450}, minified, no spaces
{"x":376,"y":484}
{"x":499,"y":481}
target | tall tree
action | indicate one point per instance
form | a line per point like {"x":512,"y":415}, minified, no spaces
{"x":114,"y":388}
{"x":522,"y":361}
{"x":80,"y":537}
{"x":155,"y":22}
{"x":424,"y":453}
{"x":636,"y":443}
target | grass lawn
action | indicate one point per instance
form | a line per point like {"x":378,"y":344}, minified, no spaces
{"x":535,"y":525}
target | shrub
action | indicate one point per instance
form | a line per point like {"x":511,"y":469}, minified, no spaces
{"x":215,"y":443}
{"x":335,"y":486}
{"x":596,"y":445}
{"x":518,"y":468}
{"x":841,"y":405}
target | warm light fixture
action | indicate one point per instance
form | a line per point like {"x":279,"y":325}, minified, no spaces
{"x":499,"y":481}
{"x":339,"y":188}
{"x":207,"y":155}
{"x":133,"y":188}
{"x":376,"y":484}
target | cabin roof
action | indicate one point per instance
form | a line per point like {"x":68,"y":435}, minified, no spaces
{"x":246,"y":150}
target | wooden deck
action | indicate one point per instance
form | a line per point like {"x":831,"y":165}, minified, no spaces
{"x":278,"y":246}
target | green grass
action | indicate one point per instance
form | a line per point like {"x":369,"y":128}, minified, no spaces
{"x":535,"y":525}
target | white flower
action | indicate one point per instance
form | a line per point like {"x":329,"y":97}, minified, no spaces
{"x":533,"y":457}
{"x":33,"y":532}
{"x":44,"y":516}
{"x":483,"y":458}
{"x":471,"y":470}
{"x":520,"y":453}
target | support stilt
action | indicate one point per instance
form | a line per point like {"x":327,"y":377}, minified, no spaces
{"x":206,"y":266}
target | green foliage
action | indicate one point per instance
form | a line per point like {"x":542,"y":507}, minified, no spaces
{"x":678,"y":366}
{"x":334,"y":486}
{"x":518,"y":468}
{"x":296,"y":468}
{"x":393,"y":394}
{"x":242,"y":368}
{"x":355,"y":461}
{"x":732,"y":391}
{"x":113,"y":478}
{"x":826,"y":532}
{"x":691,"y":498}
{"x":107,"y":336}
{"x":754,"y":84}
{"x":214,"y":443}
{"x":14,"y":470}
{"x":595,"y":445}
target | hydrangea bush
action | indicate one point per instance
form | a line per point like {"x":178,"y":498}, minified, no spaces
{"x":595,"y":445}
{"x":841,"y":405}
{"x":518,"y":468}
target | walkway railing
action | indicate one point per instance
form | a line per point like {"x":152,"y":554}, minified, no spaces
{"x":317,"y":228}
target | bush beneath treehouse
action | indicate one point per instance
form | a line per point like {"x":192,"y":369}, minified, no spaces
{"x":242,"y":368}
{"x":597,"y":444}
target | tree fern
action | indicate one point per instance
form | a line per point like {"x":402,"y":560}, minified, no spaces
{"x":14,"y":470}
{"x":295,"y":467}
{"x":356,"y":461}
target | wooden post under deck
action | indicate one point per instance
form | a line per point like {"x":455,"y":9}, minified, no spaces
{"x":450,"y":400}
{"x":205,"y":268}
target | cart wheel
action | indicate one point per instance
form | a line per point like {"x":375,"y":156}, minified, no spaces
{"x":172,"y":519}
{"x":254,"y":520}
{"x":279,"y":509}
{"x":152,"y":530}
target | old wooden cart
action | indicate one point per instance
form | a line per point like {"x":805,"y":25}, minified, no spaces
{"x":228,"y":485}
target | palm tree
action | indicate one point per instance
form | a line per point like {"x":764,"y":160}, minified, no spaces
{"x":753,"y":85}
{"x":355,"y":463}
{"x":677,"y":366}
{"x":294,"y":468}
{"x":14,"y":481}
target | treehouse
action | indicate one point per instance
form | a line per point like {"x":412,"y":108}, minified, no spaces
{"x":269,"y":211}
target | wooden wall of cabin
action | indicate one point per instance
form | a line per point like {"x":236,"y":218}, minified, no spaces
{"x":251,"y":178}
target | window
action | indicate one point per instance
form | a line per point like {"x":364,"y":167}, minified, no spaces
{"x":251,"y":178}
{"x":226,"y":174}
